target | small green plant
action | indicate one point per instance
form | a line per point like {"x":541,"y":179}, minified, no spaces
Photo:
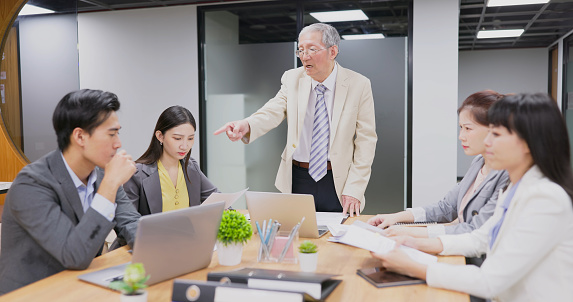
{"x":307,"y":247}
{"x":234,"y":228}
{"x":133,"y":280}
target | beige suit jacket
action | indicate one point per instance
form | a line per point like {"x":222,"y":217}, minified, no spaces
{"x":352,"y":133}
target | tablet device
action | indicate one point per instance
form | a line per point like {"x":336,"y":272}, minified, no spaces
{"x":380,"y":277}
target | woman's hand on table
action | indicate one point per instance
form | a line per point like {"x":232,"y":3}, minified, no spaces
{"x":398,"y":261}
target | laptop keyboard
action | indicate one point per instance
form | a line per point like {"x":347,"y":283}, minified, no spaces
{"x":322,"y":229}
{"x":116,"y":278}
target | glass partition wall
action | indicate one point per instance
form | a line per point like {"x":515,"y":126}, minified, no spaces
{"x":244,"y":51}
{"x":239,"y":79}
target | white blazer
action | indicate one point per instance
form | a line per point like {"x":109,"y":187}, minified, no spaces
{"x":532,"y":257}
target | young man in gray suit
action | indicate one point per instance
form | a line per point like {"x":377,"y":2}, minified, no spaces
{"x":61,"y":207}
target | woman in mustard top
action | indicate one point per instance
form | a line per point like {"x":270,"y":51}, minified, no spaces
{"x":167,"y":178}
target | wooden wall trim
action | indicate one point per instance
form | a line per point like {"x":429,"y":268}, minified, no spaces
{"x":11,"y":160}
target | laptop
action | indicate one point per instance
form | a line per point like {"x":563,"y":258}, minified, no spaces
{"x":169,"y":244}
{"x":288,"y":209}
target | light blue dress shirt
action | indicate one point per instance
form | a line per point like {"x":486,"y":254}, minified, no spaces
{"x":505,"y":206}
{"x":89,"y":197}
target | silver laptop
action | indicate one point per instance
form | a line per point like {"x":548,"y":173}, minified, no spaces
{"x":288,"y":209}
{"x":169,"y":244}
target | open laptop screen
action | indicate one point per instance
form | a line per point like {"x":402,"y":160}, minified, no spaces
{"x":288,"y":209}
{"x":170,"y":244}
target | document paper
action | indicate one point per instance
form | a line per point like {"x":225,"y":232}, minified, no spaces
{"x":5,"y":185}
{"x":326,"y":218}
{"x":374,"y":242}
{"x":228,"y":198}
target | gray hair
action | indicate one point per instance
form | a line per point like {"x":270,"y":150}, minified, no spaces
{"x":330,"y":36}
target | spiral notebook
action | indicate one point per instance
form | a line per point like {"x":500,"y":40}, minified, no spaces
{"x":416,"y":224}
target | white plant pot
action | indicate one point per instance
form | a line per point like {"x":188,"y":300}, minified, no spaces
{"x":308,"y":261}
{"x":229,"y":255}
{"x":134,"y":298}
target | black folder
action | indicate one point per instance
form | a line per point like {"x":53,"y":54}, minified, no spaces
{"x":317,"y":286}
{"x":209,"y":291}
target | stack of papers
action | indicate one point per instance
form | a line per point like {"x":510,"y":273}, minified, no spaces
{"x":327,"y":218}
{"x":360,"y":235}
{"x":5,"y":185}
{"x":228,"y":198}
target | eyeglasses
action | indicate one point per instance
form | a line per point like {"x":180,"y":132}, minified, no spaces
{"x":310,"y":52}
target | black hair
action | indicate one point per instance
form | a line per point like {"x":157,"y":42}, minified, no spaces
{"x":169,"y":118}
{"x":537,"y":120}
{"x":85,"y":109}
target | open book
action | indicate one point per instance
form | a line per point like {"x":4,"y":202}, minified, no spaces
{"x":367,"y":237}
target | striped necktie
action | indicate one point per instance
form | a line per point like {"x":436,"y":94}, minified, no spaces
{"x":320,"y":137}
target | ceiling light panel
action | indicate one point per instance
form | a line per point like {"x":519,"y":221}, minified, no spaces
{"x":29,"y":9}
{"x":363,"y":37}
{"x":494,"y":3}
{"x":340,"y":16}
{"x":500,"y":33}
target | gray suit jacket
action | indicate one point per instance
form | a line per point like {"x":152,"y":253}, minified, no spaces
{"x":144,"y":187}
{"x":481,"y":205}
{"x":44,"y":227}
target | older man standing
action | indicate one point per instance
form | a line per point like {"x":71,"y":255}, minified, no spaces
{"x":331,"y":137}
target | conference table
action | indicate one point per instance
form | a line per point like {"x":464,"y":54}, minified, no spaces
{"x":334,"y":258}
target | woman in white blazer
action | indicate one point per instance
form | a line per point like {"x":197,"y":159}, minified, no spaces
{"x":470,"y":202}
{"x":529,"y":239}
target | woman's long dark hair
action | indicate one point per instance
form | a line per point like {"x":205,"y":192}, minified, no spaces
{"x":537,"y":120}
{"x":169,"y":118}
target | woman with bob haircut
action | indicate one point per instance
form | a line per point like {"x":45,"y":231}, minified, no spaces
{"x":529,"y":239}
{"x":167,"y":177}
{"x":472,"y":201}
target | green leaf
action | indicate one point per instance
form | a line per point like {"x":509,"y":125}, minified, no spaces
{"x":307,"y":247}
{"x":134,"y":279}
{"x":234,"y":228}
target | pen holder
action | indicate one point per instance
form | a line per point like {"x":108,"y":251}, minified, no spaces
{"x":282,"y":244}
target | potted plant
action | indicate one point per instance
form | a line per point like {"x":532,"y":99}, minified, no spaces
{"x":132,"y":286}
{"x":234,"y":231}
{"x":307,"y":256}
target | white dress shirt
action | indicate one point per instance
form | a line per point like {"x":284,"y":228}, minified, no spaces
{"x":302,"y":152}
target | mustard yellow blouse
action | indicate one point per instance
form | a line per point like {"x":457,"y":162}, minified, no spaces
{"x":173,"y":197}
